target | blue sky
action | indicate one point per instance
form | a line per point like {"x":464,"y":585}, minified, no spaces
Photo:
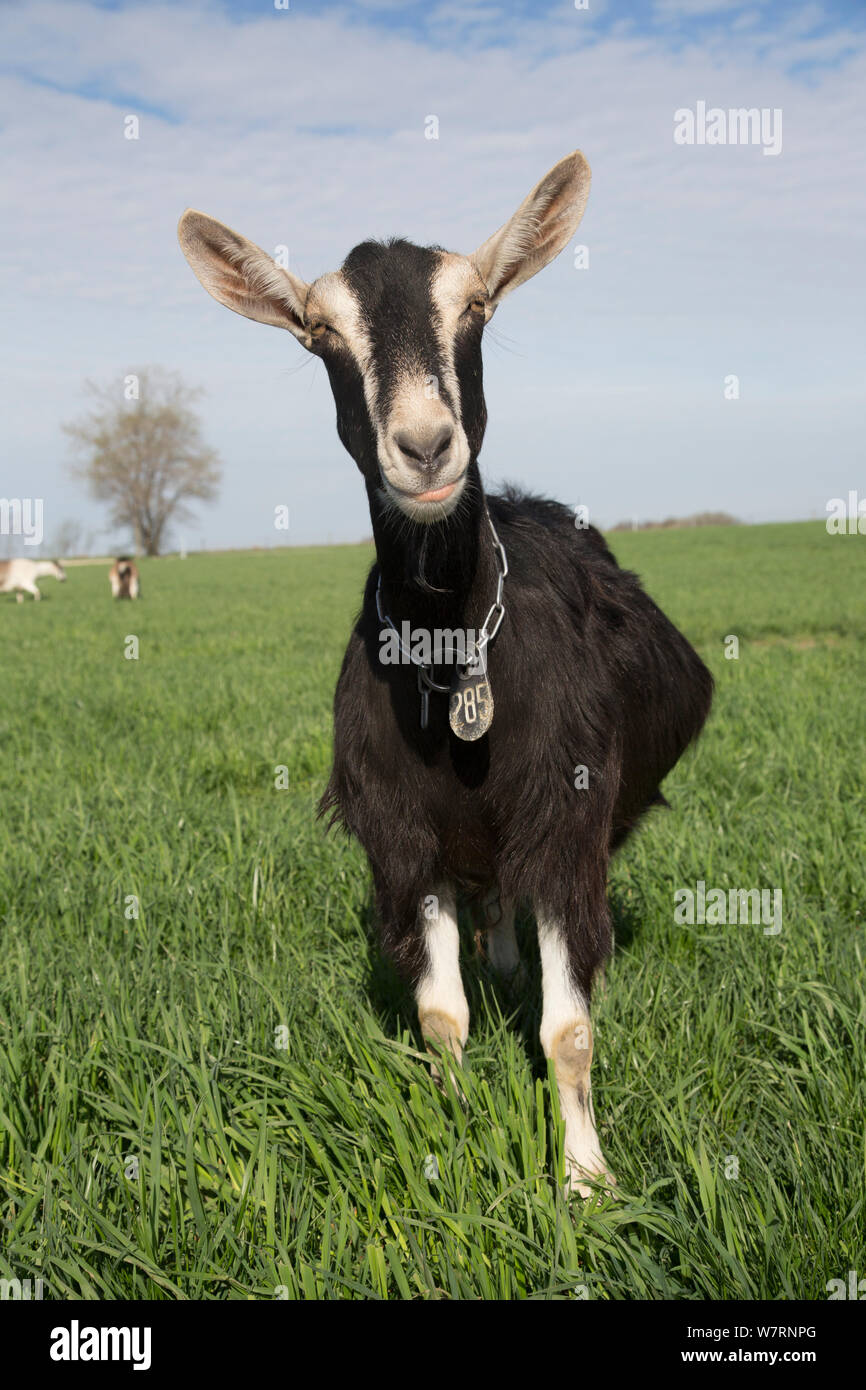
{"x":305,"y":128}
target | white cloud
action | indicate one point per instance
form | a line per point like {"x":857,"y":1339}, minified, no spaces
{"x":703,"y":260}
{"x":697,"y":9}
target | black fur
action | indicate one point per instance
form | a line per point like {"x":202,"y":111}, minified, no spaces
{"x":585,"y":670}
{"x":124,"y":575}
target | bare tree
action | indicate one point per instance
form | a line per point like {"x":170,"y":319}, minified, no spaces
{"x":141,"y":453}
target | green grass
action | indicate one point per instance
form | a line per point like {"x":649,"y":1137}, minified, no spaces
{"x":307,"y":1169}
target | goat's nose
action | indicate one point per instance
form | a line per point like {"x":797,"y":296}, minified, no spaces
{"x":425,"y":451}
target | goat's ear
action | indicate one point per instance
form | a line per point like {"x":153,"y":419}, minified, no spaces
{"x":539,"y":229}
{"x":241,"y":275}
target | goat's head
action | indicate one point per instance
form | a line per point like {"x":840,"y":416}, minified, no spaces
{"x":399,"y":329}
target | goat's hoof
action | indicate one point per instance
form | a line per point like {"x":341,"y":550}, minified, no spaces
{"x":439,"y":1080}
{"x":593,"y":1180}
{"x":442,"y":1034}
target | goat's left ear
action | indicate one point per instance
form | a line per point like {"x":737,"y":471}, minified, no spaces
{"x":539,"y":229}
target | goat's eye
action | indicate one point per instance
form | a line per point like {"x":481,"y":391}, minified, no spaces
{"x":318,"y":330}
{"x":477,"y":306}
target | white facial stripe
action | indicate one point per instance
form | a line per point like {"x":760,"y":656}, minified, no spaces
{"x":453,"y":285}
{"x":332,"y":301}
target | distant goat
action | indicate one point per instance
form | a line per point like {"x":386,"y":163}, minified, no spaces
{"x":21,"y":576}
{"x":123,"y":578}
{"x":596,"y":693}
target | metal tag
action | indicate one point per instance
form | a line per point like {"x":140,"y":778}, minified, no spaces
{"x":470,"y":708}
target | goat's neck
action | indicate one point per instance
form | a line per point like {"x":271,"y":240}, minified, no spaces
{"x":442,"y":575}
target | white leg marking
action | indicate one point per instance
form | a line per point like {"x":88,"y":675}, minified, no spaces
{"x":442,"y":1008}
{"x":566,"y":1036}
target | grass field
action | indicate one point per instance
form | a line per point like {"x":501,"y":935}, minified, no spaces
{"x":159,"y":1142}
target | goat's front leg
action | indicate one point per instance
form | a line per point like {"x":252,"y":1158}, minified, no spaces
{"x":442,"y":1008}
{"x":566,"y":1036}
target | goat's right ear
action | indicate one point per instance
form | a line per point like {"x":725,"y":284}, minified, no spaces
{"x":241,"y":275}
{"x":539,"y":229}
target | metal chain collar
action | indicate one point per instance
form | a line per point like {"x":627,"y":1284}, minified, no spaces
{"x":487,"y":634}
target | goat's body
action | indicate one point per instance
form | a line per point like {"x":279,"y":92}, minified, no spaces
{"x":595,"y":694}
{"x":123,"y":578}
{"x":20,"y":576}
{"x":585,"y":672}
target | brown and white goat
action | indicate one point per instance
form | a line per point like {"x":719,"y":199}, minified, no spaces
{"x":20,"y":576}
{"x":123,"y":578}
{"x":585,"y":676}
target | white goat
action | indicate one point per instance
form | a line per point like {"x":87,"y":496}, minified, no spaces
{"x":21,"y":576}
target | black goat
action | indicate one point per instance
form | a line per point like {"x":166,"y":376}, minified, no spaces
{"x":518,"y":774}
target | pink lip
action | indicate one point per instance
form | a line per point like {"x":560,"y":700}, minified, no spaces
{"x":438,"y":495}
